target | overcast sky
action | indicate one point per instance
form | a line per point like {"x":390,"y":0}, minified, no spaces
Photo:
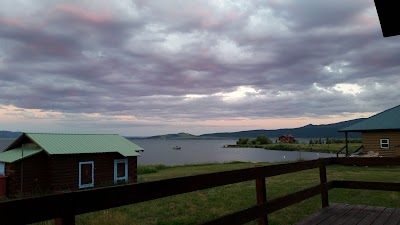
{"x":147,"y":67}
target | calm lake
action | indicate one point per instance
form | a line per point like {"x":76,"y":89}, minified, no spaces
{"x":205,"y":151}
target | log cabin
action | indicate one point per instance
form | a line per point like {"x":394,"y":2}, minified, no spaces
{"x":37,"y":163}
{"x":287,"y":138}
{"x":380,"y":133}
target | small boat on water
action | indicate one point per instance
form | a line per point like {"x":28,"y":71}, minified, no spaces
{"x":176,"y":147}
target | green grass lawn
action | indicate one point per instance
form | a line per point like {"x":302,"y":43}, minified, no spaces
{"x":325,"y":148}
{"x":201,"y":206}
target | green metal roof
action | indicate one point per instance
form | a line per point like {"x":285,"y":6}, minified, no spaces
{"x":17,"y":154}
{"x":55,"y":144}
{"x":386,"y":120}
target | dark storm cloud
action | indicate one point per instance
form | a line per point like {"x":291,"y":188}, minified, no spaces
{"x":147,"y":59}
{"x":314,"y":14}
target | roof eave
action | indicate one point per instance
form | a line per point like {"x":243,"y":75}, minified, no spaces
{"x":24,"y":157}
{"x":390,"y":129}
{"x":77,"y":153}
{"x":14,"y":142}
{"x":349,"y":130}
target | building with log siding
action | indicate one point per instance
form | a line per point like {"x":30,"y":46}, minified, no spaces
{"x":380,"y":133}
{"x":43,"y":163}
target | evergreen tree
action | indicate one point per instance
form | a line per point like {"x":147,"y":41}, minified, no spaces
{"x":242,"y":141}
{"x":262,"y":139}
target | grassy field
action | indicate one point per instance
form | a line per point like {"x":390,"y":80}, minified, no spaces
{"x":325,"y":148}
{"x":201,"y":206}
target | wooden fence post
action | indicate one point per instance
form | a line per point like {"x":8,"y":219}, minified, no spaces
{"x":324,"y":188}
{"x":66,"y":220}
{"x":261,"y":193}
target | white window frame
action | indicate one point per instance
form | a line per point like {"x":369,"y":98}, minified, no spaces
{"x":124,"y":178}
{"x":80,"y":172}
{"x":2,"y":168}
{"x":384,"y":141}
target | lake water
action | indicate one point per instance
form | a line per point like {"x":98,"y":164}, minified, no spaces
{"x":206,"y":151}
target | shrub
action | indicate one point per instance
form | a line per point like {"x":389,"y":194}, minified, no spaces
{"x":145,"y":169}
{"x":262,"y":139}
{"x":242,"y":141}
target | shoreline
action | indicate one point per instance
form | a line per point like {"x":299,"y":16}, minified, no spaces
{"x":319,"y":148}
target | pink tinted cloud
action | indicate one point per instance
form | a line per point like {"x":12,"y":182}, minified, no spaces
{"x":367,"y":19}
{"x":33,"y":44}
{"x":209,"y":19}
{"x":49,"y":46}
{"x":84,"y":14}
{"x":12,"y":22}
{"x":206,"y":18}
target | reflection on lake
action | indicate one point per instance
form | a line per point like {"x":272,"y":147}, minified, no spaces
{"x":158,"y":151}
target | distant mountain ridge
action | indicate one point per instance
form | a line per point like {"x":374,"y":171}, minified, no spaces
{"x":308,"y":131}
{"x":9,"y":134}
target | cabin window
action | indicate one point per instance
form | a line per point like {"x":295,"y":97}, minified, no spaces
{"x":2,"y":168}
{"x":384,"y":143}
{"x":120,"y":171}
{"x":86,"y":174}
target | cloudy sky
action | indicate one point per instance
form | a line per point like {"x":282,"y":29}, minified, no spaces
{"x":146,"y":67}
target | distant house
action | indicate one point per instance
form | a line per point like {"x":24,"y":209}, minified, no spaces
{"x":42,"y":162}
{"x":380,"y":133}
{"x":287,"y":139}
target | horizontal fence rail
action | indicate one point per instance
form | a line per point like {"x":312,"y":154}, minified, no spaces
{"x":271,"y":206}
{"x":367,"y":161}
{"x":65,"y":206}
{"x":381,"y":186}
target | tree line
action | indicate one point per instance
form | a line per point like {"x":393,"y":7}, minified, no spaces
{"x":260,"y":140}
{"x":263,"y":140}
{"x":333,"y":141}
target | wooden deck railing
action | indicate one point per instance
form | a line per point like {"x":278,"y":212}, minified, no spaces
{"x":338,"y":152}
{"x":65,"y":206}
